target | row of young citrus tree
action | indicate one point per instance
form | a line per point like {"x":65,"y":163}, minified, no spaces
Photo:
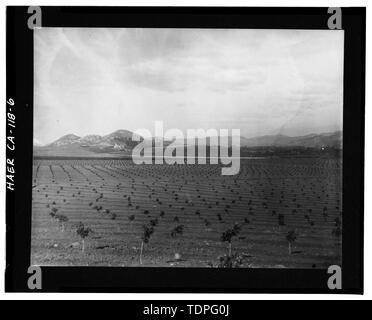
{"x":230,"y":259}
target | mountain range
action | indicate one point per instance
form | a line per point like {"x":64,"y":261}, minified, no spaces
{"x":120,"y":143}
{"x":322,"y":140}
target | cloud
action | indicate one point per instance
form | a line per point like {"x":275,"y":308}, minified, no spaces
{"x":259,"y":81}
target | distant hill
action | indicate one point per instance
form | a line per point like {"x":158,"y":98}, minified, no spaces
{"x":119,"y":143}
{"x":323,"y":140}
{"x":65,"y":140}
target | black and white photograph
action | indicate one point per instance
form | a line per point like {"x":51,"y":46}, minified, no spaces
{"x":187,"y":148}
{"x":213,"y":150}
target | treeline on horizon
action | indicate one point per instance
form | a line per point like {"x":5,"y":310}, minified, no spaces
{"x":245,"y":152}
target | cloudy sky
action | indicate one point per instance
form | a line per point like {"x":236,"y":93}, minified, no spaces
{"x":95,"y":81}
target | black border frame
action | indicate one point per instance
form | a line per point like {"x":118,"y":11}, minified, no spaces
{"x":19,"y":82}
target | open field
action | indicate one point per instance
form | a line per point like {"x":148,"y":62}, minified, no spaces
{"x":115,"y":198}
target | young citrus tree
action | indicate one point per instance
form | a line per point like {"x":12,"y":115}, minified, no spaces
{"x":291,"y":237}
{"x":148,"y":230}
{"x":62,"y":219}
{"x":337,"y":231}
{"x":53,"y":212}
{"x":229,"y":234}
{"x":178,"y":230}
{"x":83,"y":232}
